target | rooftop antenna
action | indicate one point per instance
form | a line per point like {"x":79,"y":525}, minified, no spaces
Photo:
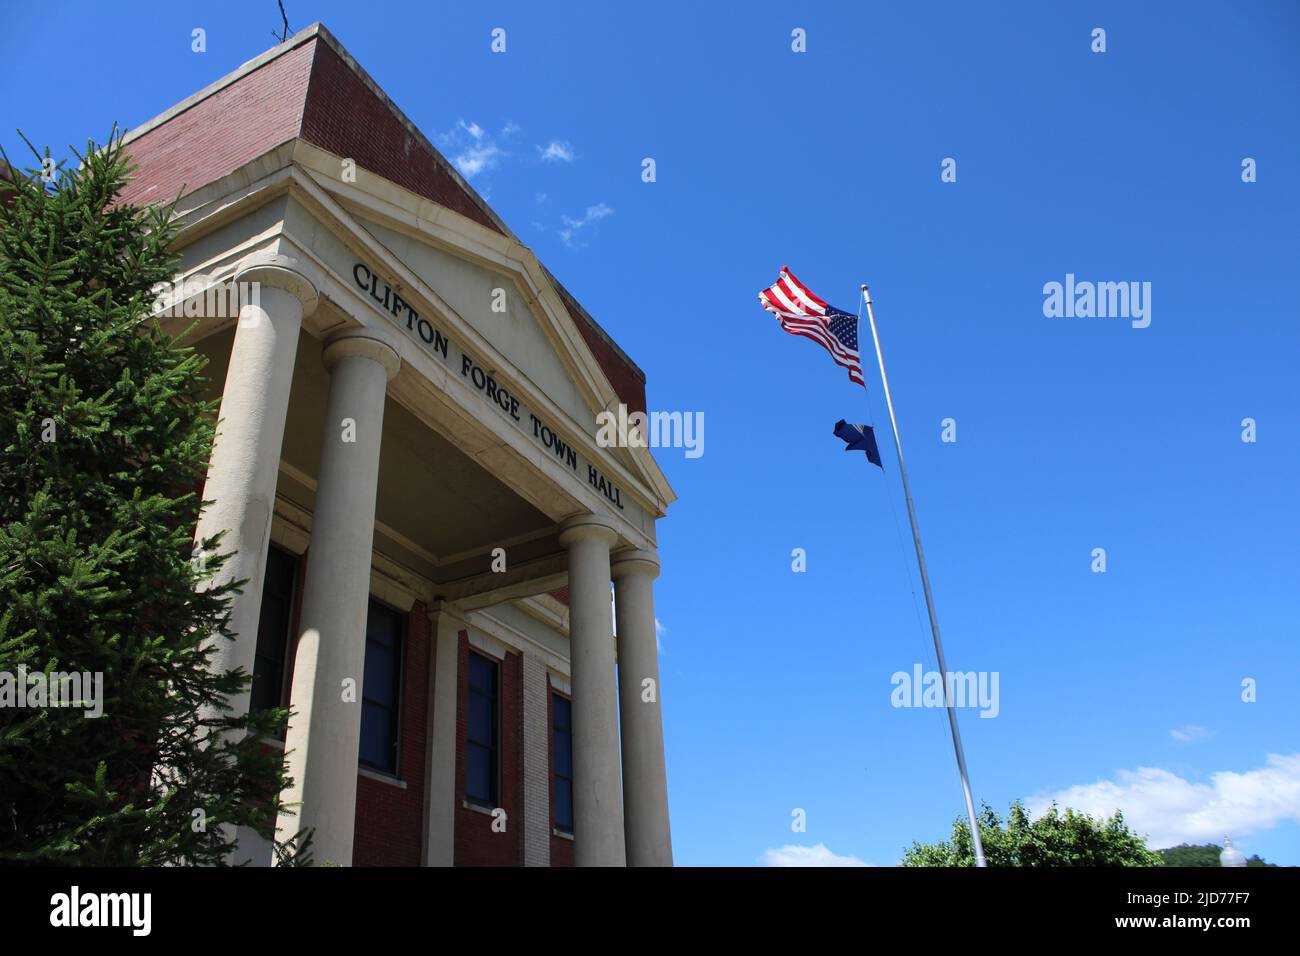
{"x":284,"y":34}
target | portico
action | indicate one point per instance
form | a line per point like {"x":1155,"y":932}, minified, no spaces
{"x":408,"y":475}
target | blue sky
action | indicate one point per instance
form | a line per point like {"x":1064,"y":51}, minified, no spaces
{"x":1072,"y":433}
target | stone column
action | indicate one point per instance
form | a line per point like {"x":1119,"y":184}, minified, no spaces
{"x":245,"y":458}
{"x":440,"y":744}
{"x":645,"y":783}
{"x":324,"y":735}
{"x":597,"y":814}
{"x":537,"y":772}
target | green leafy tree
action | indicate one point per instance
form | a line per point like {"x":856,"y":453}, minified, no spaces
{"x":1201,"y":854}
{"x":104,"y":439}
{"x":1054,"y":839}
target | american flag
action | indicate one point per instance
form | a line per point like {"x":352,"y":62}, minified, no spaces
{"x":801,"y":312}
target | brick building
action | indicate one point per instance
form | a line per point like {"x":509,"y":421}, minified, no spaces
{"x":407,"y":469}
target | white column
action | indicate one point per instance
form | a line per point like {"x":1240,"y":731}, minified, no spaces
{"x":324,"y":735}
{"x":245,"y":458}
{"x":597,"y":812}
{"x":645,"y":783}
{"x":537,"y":771}
{"x":440,"y":741}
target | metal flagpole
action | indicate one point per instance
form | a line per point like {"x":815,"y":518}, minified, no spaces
{"x":929,"y":598}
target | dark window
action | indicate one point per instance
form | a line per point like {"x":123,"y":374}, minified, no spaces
{"x":273,"y":630}
{"x":562,"y":735}
{"x":482,"y":734}
{"x":381,"y":688}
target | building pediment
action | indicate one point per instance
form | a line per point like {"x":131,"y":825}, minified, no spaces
{"x":504,"y":314}
{"x":404,"y":244}
{"x":489,"y":290}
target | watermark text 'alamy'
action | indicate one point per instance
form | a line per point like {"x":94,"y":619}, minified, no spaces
{"x":651,"y":430}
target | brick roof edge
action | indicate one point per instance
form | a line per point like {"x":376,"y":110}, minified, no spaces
{"x":318,"y":31}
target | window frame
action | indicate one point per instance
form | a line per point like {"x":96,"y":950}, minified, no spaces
{"x":556,"y":776}
{"x":287,"y":639}
{"x":399,"y":695}
{"x":494,"y":765}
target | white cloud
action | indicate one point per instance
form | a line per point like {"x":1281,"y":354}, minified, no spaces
{"x":1189,"y":733}
{"x":474,"y":160}
{"x":556,"y":151}
{"x":660,"y":631}
{"x":1169,"y":809}
{"x":573,"y":226}
{"x":794,"y":855}
{"x":472,"y":149}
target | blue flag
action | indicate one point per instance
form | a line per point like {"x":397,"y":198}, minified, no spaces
{"x":859,"y":438}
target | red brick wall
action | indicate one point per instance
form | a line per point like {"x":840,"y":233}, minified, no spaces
{"x":345,"y":117}
{"x":561,"y":848}
{"x":227,"y":130}
{"x":390,"y":820}
{"x":628,"y":383}
{"x":475,"y":843}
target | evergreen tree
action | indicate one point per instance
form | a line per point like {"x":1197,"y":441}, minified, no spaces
{"x":104,"y":440}
{"x":1054,"y":839}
